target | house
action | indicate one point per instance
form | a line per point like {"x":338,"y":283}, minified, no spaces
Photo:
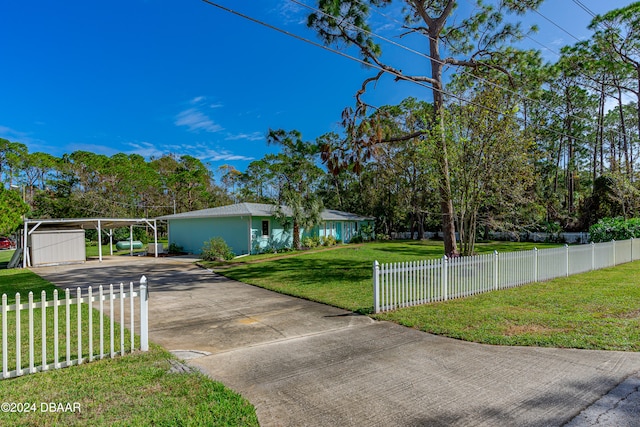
{"x":250,"y":228}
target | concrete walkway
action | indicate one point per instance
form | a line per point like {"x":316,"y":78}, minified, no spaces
{"x":302,"y":363}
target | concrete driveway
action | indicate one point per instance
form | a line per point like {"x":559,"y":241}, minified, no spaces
{"x":302,"y":363}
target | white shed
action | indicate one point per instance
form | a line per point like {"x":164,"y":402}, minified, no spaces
{"x":51,"y":246}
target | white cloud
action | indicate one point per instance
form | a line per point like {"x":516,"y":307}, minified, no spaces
{"x":197,"y":100}
{"x":215,"y":156}
{"x":292,"y":13}
{"x":147,"y":149}
{"x":201,"y":151}
{"x":12,"y":134}
{"x":254,"y":136}
{"x":204,"y":152}
{"x":196,"y":120}
{"x":559,"y":42}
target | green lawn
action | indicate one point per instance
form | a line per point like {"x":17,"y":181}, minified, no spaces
{"x":340,"y":277}
{"x":5,"y":257}
{"x":595,"y":310}
{"x":136,"y":389}
{"x":92,"y":250}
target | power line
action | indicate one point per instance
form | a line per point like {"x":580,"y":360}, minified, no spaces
{"x":368,"y":64}
{"x":585,"y":8}
{"x":464,"y":71}
{"x":345,"y":55}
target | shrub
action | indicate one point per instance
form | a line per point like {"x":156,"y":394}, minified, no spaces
{"x":311,"y":242}
{"x":608,"y":229}
{"x":216,"y":249}
{"x":328,"y":241}
{"x":356,"y":239}
{"x":175,"y":248}
{"x":367,"y":231}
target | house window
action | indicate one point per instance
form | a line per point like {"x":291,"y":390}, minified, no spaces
{"x":265,"y":228}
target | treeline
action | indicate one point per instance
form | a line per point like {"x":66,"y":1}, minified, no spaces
{"x":84,"y":184}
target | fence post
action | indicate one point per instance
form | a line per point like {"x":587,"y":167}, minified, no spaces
{"x":5,"y":353}
{"x":632,"y":249}
{"x":18,"y":336}
{"x":144,"y":315}
{"x":614,"y":251}
{"x":376,"y":287}
{"x":593,"y":256}
{"x":495,"y":270}
{"x":566,"y":251}
{"x":444,"y":278}
{"x":535,"y":264}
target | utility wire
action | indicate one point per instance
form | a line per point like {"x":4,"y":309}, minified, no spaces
{"x":585,"y":8}
{"x":345,"y":55}
{"x":367,"y":64}
{"x":464,"y":71}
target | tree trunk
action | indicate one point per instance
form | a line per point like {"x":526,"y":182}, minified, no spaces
{"x":623,"y":129}
{"x":296,"y":235}
{"x":638,"y":98}
{"x":599,"y":134}
{"x":446,"y":204}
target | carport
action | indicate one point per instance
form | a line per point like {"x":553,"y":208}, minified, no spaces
{"x":99,"y":224}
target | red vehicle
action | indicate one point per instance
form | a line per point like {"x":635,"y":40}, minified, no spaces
{"x":6,"y":243}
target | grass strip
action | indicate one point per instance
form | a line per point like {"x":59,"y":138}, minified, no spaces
{"x":136,"y":390}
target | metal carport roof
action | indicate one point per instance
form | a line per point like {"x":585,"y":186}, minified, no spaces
{"x":31,"y":225}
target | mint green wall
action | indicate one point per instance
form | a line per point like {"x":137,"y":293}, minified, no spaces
{"x":341,"y":230}
{"x":191,"y":233}
{"x":278,"y":238}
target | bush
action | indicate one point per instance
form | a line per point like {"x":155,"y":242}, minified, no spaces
{"x":356,"y":239}
{"x":608,"y":229}
{"x":217,"y":249}
{"x":175,"y":248}
{"x":311,"y":242}
{"x":367,"y":231}
{"x":329,"y":241}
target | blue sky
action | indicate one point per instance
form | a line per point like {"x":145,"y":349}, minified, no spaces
{"x":156,"y":76}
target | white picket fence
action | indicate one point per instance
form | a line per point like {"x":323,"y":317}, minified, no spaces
{"x":115,"y":302}
{"x":405,"y":284}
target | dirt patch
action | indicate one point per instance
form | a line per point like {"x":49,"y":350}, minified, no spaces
{"x":635,"y":314}
{"x":513,"y":330}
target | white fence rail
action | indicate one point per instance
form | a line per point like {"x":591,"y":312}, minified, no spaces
{"x":61,"y":338}
{"x":404,"y":284}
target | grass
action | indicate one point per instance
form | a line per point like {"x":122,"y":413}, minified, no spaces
{"x":595,"y":310}
{"x":136,"y":389}
{"x":92,"y":250}
{"x":339,"y":277}
{"x":5,"y":257}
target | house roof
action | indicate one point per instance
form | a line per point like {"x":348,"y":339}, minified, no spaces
{"x":259,"y":209}
{"x":334,"y":215}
